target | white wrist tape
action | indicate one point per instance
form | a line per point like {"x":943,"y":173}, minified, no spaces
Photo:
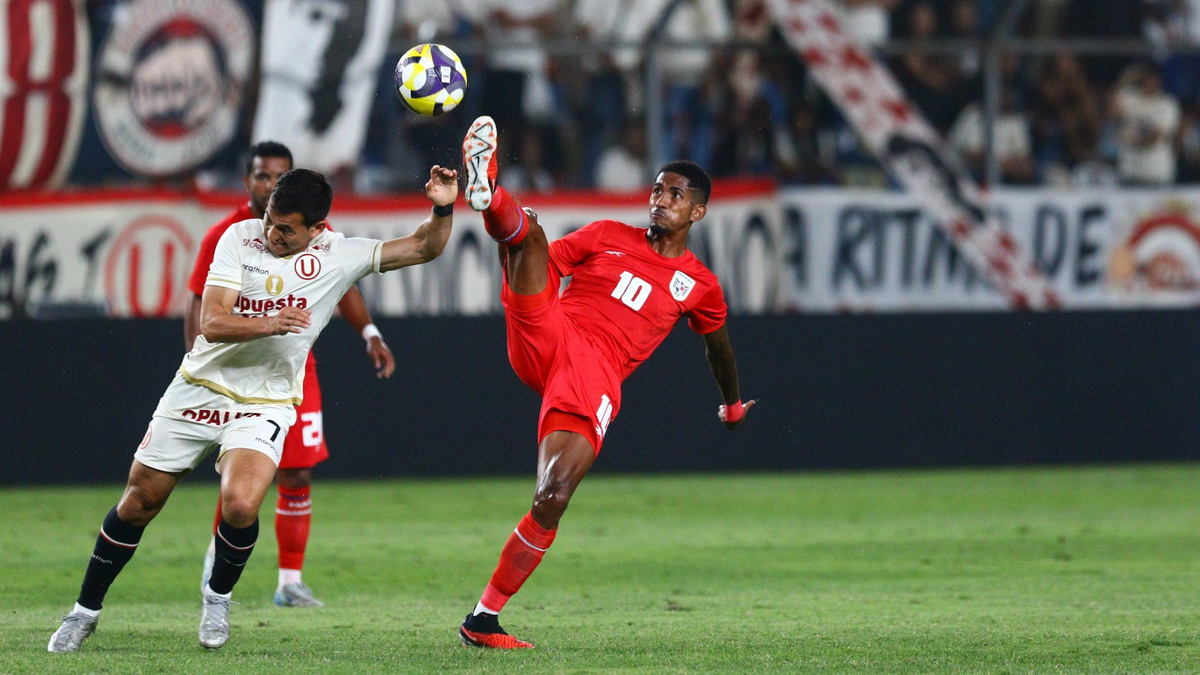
{"x":371,"y":331}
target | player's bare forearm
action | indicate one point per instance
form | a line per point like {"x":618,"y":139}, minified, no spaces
{"x":421,"y":246}
{"x":191,"y":321}
{"x":723,"y":364}
{"x":218,"y":323}
{"x":354,"y":309}
{"x":430,"y":237}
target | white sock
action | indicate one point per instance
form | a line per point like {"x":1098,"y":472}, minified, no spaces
{"x":208,"y":589}
{"x":80,"y":609}
{"x":288,"y":577}
{"x":480,"y":609}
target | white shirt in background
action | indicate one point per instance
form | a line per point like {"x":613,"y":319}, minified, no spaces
{"x":1137,"y":112}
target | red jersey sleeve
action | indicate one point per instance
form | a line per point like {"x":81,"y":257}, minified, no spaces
{"x":708,"y":314}
{"x":567,"y":253}
{"x":208,"y":248}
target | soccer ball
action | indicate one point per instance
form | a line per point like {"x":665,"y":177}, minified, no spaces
{"x":430,"y":79}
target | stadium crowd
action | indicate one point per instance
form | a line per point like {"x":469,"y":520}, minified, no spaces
{"x":569,"y":80}
{"x":746,"y":107}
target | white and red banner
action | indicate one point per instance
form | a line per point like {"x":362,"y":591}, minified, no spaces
{"x":43,"y":90}
{"x":130,"y":255}
{"x":795,"y":250}
{"x":908,"y":146}
{"x":868,"y":251}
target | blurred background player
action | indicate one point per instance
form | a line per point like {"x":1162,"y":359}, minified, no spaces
{"x":305,"y":447}
{"x":237,"y":391}
{"x":629,"y":287}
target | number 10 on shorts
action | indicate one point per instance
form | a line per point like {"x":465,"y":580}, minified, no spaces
{"x":604,"y":414}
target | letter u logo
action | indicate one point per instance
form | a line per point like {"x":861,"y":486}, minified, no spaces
{"x":274,"y":285}
{"x":307,"y":266}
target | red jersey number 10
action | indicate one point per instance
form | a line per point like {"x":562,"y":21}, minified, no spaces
{"x":632,"y":291}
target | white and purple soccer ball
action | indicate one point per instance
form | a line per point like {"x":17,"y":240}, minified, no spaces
{"x":430,"y":79}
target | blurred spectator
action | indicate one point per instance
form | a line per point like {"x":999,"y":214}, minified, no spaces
{"x":1189,"y":146}
{"x":515,"y":87}
{"x":1172,"y":23}
{"x":1012,"y":141}
{"x":802,"y":161}
{"x":930,"y":80}
{"x":1148,"y":121}
{"x":869,"y":20}
{"x":1067,"y":115}
{"x":529,"y":173}
{"x":600,"y":105}
{"x":964,"y":25}
{"x":623,"y":165}
{"x":688,"y":73}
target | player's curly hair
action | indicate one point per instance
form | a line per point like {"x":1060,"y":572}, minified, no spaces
{"x":265,"y":149}
{"x":697,"y":178}
{"x":303,"y":191}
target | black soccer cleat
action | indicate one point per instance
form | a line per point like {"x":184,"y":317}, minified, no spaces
{"x":483,"y":630}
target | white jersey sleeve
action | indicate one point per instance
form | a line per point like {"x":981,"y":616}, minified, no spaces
{"x":359,"y":257}
{"x":226,"y":268}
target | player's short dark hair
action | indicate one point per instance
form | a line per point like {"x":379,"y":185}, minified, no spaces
{"x":302,"y":191}
{"x":266,"y":149}
{"x":697,"y":178}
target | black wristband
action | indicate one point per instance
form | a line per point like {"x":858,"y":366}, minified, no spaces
{"x":443,"y":211}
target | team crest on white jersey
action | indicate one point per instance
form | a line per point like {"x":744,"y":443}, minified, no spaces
{"x":274,"y":285}
{"x":681,"y":286}
{"x":307,"y":266}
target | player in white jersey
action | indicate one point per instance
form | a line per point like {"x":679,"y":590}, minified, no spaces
{"x":271,"y":289}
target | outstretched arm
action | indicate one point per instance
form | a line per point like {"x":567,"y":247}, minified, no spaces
{"x":720,"y":357}
{"x":355,"y":310}
{"x":430,"y":237}
{"x":218,"y":323}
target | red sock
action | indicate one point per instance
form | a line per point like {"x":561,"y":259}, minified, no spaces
{"x":293,"y":515}
{"x":504,"y":220}
{"x":217,"y":519}
{"x":519,"y":558}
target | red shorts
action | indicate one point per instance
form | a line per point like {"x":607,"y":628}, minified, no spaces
{"x":559,"y":361}
{"x":304,"y":446}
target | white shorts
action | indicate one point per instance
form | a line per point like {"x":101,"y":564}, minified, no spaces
{"x":191,"y":421}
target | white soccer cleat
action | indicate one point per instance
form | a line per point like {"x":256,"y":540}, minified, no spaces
{"x":210,"y":557}
{"x":479,"y":157}
{"x":214,"y":620}
{"x":75,"y":627}
{"x":296,"y":595}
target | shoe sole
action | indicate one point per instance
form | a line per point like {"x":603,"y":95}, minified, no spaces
{"x":478,"y":149}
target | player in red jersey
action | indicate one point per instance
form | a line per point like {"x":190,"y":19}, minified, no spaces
{"x":629,"y":287}
{"x":304,"y":446}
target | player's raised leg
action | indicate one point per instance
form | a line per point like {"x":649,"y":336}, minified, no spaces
{"x":246,"y":476}
{"x":564,"y":458}
{"x":524,"y":249}
{"x":146,"y":492}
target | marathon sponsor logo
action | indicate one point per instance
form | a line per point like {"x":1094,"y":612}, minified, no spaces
{"x":324,"y":248}
{"x":253,"y":269}
{"x":215,"y":417}
{"x":256,"y":244}
{"x":247,"y":307}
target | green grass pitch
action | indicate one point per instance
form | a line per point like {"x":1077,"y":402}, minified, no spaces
{"x":1078,"y":570}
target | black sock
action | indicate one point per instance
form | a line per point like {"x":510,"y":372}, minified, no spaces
{"x":116,"y":544}
{"x":234,"y":547}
